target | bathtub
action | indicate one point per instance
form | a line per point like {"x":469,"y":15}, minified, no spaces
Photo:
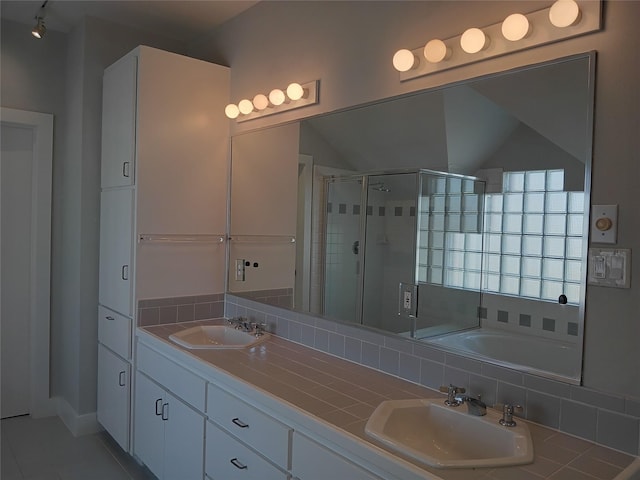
{"x":536,"y":355}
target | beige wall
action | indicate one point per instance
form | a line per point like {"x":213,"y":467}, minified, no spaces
{"x":349,"y":45}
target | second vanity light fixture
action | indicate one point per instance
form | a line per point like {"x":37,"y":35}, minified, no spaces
{"x":296,"y":95}
{"x":564,"y":19}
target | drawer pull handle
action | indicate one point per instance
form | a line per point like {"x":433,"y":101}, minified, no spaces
{"x":125,"y":272}
{"x":125,"y":169}
{"x":240,"y":423}
{"x":110,"y":318}
{"x":237,"y":464}
{"x":165,"y":412}
{"x":159,"y":411}
{"x":121,"y":378}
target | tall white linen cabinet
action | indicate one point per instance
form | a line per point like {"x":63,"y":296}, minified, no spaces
{"x":165,"y":157}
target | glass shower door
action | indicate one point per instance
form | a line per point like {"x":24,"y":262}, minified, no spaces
{"x":342,"y":249}
{"x":390,"y":248}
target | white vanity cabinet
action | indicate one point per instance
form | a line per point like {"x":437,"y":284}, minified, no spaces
{"x":229,"y":459}
{"x":169,"y":435}
{"x":312,"y":461}
{"x":169,"y":423}
{"x":165,"y":144}
{"x":261,"y":449}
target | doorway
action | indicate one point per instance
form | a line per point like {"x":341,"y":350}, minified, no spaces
{"x":25,"y":247}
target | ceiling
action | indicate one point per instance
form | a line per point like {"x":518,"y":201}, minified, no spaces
{"x":183,"y":20}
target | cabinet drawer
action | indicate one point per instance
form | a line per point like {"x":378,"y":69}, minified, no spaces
{"x":228,"y":459}
{"x":180,"y":381}
{"x":258,"y":430}
{"x":114,"y":332}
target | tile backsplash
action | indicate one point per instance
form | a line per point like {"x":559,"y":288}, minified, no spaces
{"x":282,"y":297}
{"x":531,"y":317}
{"x":607,"y":419}
{"x":159,"y":311}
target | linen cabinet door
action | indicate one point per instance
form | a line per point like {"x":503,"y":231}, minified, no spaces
{"x":149,"y":428}
{"x":119,"y":101}
{"x":114,"y":392}
{"x":116,"y":244}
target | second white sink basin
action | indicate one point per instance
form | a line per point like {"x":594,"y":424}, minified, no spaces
{"x":449,"y":437}
{"x":216,"y":337}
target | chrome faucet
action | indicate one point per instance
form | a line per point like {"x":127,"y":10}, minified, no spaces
{"x":475,"y":406}
{"x":455,"y":398}
{"x":240,"y":323}
{"x":243,"y":324}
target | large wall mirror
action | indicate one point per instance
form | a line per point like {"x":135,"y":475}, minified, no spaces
{"x":456,"y":216}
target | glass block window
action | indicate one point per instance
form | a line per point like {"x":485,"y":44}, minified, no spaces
{"x":541,"y":234}
{"x":531,"y":241}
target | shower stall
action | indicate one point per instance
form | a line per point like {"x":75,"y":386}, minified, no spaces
{"x":386,"y":238}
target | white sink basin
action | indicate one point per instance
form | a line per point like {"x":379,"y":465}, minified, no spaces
{"x":449,"y":437}
{"x":216,"y":337}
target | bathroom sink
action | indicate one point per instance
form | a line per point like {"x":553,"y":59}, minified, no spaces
{"x":216,"y":337}
{"x":449,"y":437}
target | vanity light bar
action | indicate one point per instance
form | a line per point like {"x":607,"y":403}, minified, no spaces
{"x":564,"y":19}
{"x":296,"y":95}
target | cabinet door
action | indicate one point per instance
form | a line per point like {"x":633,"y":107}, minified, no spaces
{"x":119,"y":123}
{"x":148,"y":433}
{"x":116,"y":239}
{"x":184,"y":441}
{"x":312,"y":461}
{"x":114,"y":396}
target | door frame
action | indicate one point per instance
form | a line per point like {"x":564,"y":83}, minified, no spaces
{"x":41,"y":403}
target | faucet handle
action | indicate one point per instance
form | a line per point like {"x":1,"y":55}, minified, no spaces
{"x":259,"y":329}
{"x":451,"y":392}
{"x":508,"y":410}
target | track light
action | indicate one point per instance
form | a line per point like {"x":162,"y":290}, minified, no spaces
{"x":39,"y":29}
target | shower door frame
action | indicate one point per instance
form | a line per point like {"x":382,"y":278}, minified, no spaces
{"x":362,"y":234}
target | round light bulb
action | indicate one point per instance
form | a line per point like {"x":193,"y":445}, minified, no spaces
{"x":515,"y":27}
{"x":436,"y":51}
{"x":295,"y":91}
{"x":473,"y":40}
{"x":564,"y":13}
{"x":245,"y":106}
{"x":276,"y":97}
{"x":404,"y":60}
{"x":232,"y":111}
{"x":260,"y":101}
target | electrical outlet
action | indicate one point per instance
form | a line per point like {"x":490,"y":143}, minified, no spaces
{"x":407,"y":300}
{"x":240,"y":270}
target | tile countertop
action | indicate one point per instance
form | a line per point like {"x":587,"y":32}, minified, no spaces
{"x":344,"y":394}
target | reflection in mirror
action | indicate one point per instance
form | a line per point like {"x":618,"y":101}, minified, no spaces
{"x":454,"y":216}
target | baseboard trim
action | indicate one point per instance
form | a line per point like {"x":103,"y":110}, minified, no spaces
{"x":77,"y":424}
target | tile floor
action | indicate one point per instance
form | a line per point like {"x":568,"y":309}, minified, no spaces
{"x":44,"y":449}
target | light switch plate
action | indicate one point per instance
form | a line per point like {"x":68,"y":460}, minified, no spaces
{"x":609,"y":267}
{"x":604,"y":223}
